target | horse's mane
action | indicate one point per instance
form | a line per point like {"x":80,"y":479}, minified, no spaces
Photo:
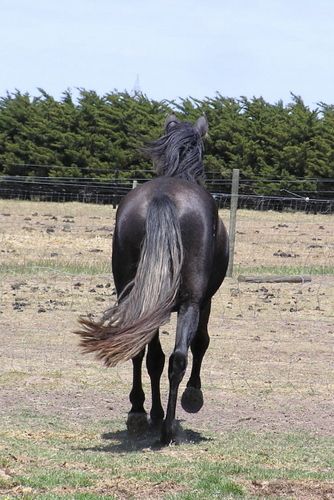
{"x":179,"y":152}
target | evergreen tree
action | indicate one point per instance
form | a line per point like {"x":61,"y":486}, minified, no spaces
{"x":101,"y":137}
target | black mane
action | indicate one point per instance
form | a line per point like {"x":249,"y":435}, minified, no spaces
{"x":178,"y":153}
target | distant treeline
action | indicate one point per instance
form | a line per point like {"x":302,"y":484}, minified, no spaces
{"x":100,"y":137}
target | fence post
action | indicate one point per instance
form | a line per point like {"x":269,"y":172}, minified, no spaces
{"x":134,"y":184}
{"x":233,"y":218}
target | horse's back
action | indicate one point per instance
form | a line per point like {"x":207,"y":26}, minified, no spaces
{"x":190,"y":199}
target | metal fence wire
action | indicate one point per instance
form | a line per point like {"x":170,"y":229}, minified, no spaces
{"x":95,"y":190}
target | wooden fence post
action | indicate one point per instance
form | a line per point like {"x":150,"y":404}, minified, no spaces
{"x":233,"y":219}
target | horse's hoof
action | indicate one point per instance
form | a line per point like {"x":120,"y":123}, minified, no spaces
{"x":169,"y":433}
{"x":137,"y":423}
{"x":155,"y":423}
{"x":167,"y":437}
{"x":192,"y":400}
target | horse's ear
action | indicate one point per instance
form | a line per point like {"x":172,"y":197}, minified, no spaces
{"x":202,"y":126}
{"x":170,"y":122}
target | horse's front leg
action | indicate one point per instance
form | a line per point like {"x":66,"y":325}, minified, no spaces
{"x":187,"y":324}
{"x":137,"y":418}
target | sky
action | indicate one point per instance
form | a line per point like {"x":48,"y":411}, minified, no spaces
{"x":175,"y":48}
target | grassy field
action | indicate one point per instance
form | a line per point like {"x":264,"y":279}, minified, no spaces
{"x":76,"y":238}
{"x":51,"y":458}
{"x":265,"y":430}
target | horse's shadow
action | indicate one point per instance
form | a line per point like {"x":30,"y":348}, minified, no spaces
{"x":124,"y":442}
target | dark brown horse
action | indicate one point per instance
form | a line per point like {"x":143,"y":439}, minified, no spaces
{"x":170,"y":253}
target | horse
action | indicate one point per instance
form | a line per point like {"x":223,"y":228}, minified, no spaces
{"x":169,"y":254}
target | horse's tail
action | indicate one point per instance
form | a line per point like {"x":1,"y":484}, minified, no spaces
{"x":147,"y":301}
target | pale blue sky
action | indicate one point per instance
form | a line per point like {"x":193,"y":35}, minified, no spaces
{"x":178,"y":48}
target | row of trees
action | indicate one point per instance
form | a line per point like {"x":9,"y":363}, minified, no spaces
{"x":100,"y":137}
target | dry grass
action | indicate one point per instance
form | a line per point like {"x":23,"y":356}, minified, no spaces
{"x":267,"y":341}
{"x":267,"y":375}
{"x":278,"y":240}
{"x":51,"y":234}
{"x":73,"y":234}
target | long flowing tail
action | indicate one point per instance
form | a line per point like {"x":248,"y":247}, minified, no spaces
{"x":147,"y":301}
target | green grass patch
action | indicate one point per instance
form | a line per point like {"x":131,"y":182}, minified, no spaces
{"x":284,"y":270}
{"x":214,"y":485}
{"x":47,"y":266}
{"x":59,"y":459}
{"x":43,"y":267}
{"x":13,"y":377}
{"x":73,"y":496}
{"x":56,"y":478}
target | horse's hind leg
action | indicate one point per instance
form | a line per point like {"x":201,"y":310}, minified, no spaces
{"x":137,"y":418}
{"x":155,"y":362}
{"x":192,"y":398}
{"x":187,"y":324}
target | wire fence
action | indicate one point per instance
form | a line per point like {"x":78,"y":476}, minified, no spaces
{"x":110,"y":191}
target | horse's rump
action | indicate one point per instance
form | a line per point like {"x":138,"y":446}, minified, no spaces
{"x":146,"y":302}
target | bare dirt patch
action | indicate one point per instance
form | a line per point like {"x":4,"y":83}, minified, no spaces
{"x":269,"y":365}
{"x":303,"y":490}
